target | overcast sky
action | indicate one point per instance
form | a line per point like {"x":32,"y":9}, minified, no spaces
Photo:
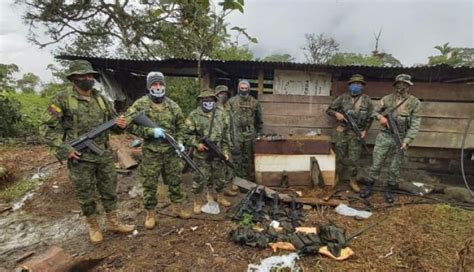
{"x":410,"y":28}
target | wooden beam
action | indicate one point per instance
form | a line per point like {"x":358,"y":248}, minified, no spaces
{"x":260,"y":82}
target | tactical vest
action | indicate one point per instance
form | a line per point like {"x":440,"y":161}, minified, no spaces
{"x":73,"y":106}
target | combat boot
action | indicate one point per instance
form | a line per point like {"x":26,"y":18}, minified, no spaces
{"x":150,"y":221}
{"x":114,"y":224}
{"x":229,"y":191}
{"x":95,"y":235}
{"x":388,"y":194}
{"x":221,"y":200}
{"x":354,"y":185}
{"x":197,"y":204}
{"x":179,"y":211}
{"x":367,"y":191}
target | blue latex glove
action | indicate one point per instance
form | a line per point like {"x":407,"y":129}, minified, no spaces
{"x":181,"y":147}
{"x":158,"y":133}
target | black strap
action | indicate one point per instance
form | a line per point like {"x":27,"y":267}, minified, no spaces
{"x":399,"y":104}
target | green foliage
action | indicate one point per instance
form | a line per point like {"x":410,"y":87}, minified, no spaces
{"x":32,"y":107}
{"x":7,"y":82}
{"x":28,"y":83}
{"x":146,"y":28}
{"x":382,"y":59}
{"x":279,"y":58}
{"x":232,"y":52}
{"x":9,"y":114}
{"x":247,"y":220}
{"x":184,"y":92}
{"x":452,"y":56}
{"x":16,"y":190}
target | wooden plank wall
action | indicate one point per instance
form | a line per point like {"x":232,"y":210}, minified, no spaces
{"x":442,"y":126}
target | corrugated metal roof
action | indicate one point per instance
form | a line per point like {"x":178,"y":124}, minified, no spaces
{"x":216,"y":61}
{"x":250,"y":68}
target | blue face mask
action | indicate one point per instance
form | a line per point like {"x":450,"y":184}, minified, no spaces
{"x":355,"y":89}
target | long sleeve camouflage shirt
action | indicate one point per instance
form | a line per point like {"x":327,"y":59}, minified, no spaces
{"x":407,"y":114}
{"x":247,"y":114}
{"x":167,"y":115}
{"x":361,"y":109}
{"x":197,"y":126}
{"x":58,"y":122}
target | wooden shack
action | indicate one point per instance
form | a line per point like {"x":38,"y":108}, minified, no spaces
{"x":295,"y":96}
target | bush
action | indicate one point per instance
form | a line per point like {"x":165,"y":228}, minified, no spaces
{"x":9,"y":114}
{"x":21,"y":114}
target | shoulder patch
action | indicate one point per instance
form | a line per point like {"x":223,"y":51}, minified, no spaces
{"x":54,"y":109}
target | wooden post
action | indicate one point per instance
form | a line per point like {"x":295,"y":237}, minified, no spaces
{"x":260,"y":82}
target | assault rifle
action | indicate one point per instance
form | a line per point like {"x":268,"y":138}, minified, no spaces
{"x":353,"y":125}
{"x":215,"y":151}
{"x":245,"y":205}
{"x":392,"y":126}
{"x":87,"y":139}
{"x":143,"y":120}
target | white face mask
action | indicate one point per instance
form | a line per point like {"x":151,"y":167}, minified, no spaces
{"x":208,"y":105}
{"x":157,"y":92}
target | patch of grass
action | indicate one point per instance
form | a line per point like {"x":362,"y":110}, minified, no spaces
{"x":17,"y":189}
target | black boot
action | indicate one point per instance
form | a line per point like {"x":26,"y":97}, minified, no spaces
{"x":367,"y":191}
{"x":388,"y":193}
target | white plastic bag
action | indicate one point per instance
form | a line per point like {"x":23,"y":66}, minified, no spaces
{"x":343,"y":209}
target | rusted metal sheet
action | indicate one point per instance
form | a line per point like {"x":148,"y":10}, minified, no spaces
{"x":292,"y":147}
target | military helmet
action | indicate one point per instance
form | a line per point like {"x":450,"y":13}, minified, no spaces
{"x":403,"y":78}
{"x":207,"y":93}
{"x":80,"y":67}
{"x":221,"y":88}
{"x":356,"y":78}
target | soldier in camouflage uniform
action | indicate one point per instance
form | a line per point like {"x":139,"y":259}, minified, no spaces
{"x":248,"y":123}
{"x":406,"y":110}
{"x":346,"y":144}
{"x":158,"y":157}
{"x":72,"y":113}
{"x":222,"y":94}
{"x":198,"y":124}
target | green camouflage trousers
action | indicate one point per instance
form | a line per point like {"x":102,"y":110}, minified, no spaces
{"x":214,"y":174}
{"x":348,"y":149}
{"x":385,"y":149}
{"x":169,"y":165}
{"x":244,"y":162}
{"x":88,"y":176}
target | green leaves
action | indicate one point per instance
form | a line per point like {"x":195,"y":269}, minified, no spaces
{"x":232,"y":5}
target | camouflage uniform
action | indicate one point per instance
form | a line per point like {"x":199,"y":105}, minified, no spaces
{"x":247,"y":114}
{"x":408,"y":119}
{"x":197,"y":125}
{"x":346,"y":144}
{"x":68,"y":117}
{"x":158,"y":156}
{"x":227,"y":111}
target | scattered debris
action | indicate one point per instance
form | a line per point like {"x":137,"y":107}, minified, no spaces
{"x":125,"y":160}
{"x":210,"y":246}
{"x":22,"y":201}
{"x":194,"y":228}
{"x":276,"y":263}
{"x":390,"y":253}
{"x":343,"y":209}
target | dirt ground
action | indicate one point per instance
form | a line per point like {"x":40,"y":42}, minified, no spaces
{"x":421,"y":237}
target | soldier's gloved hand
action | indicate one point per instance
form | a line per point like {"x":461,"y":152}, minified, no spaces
{"x":181,"y":147}
{"x":158,"y":133}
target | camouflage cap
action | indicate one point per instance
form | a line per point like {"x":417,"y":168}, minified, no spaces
{"x":403,"y":78}
{"x":80,"y":67}
{"x":221,"y":88}
{"x":356,"y":78}
{"x":207,"y":93}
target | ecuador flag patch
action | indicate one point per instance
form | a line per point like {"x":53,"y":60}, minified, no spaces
{"x":54,"y":109}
